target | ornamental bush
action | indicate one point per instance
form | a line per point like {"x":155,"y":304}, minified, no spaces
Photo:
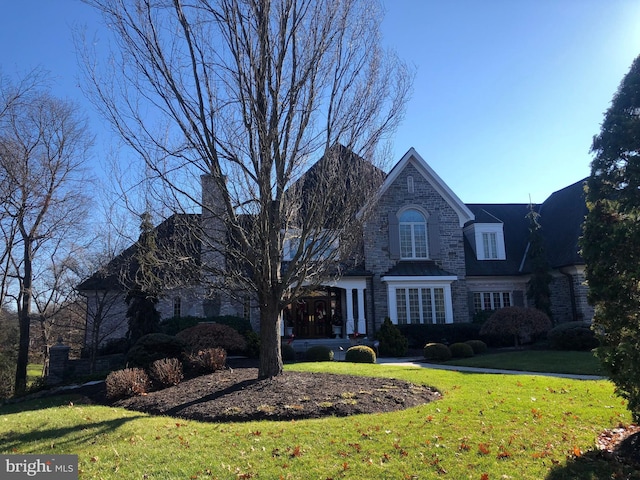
{"x":212,"y":335}
{"x":152,"y":347}
{"x":523,"y":325}
{"x":461,"y":350}
{"x":166,"y":372}
{"x":360,"y":354}
{"x":478,"y":346}
{"x":288,"y":353}
{"x":392,"y":342}
{"x":319,"y":353}
{"x":206,"y":361}
{"x":127,"y":383}
{"x":573,"y":336}
{"x":438,"y":352}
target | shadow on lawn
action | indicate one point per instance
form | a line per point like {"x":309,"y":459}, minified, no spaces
{"x":593,"y":465}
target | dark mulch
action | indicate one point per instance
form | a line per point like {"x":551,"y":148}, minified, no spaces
{"x":236,"y":395}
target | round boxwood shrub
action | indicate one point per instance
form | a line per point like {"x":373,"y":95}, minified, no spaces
{"x":572,"y":336}
{"x":438,"y":352}
{"x":478,"y":346}
{"x":360,"y":354}
{"x":152,"y":347}
{"x":319,"y":353}
{"x":461,"y":350}
{"x":288,"y":353}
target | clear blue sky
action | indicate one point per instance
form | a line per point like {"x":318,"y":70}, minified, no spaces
{"x":507,"y":97}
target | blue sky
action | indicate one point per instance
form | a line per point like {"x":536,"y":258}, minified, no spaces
{"x":507,"y":97}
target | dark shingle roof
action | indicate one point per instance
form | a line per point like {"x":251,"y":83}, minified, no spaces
{"x":516,"y":237}
{"x":426,"y":268}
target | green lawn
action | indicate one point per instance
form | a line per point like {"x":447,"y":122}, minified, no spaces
{"x":484,"y":427}
{"x":552,"y":361}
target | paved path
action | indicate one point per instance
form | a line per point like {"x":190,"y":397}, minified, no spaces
{"x":419,"y":362}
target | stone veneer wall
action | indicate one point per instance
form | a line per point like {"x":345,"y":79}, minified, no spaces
{"x":376,"y":242}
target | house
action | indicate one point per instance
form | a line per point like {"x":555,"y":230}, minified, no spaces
{"x":427,"y":258}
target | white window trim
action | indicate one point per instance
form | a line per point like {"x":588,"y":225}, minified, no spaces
{"x":419,"y":282}
{"x":497,"y":229}
{"x":425,"y":216}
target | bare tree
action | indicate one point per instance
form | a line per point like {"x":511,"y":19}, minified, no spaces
{"x":43,"y":144}
{"x":247,"y":93}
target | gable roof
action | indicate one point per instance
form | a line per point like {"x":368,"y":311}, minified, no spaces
{"x":464,"y":214}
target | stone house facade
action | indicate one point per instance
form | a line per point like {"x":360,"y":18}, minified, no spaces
{"x":428,"y":258}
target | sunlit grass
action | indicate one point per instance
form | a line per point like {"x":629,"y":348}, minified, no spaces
{"x":501,"y":426}
{"x":552,"y":361}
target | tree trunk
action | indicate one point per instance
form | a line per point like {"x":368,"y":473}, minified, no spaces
{"x":24,"y":319}
{"x":270,"y":348}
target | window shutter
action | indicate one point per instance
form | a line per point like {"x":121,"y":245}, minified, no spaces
{"x":394,"y":237}
{"x":518,"y":298}
{"x":433,"y":227}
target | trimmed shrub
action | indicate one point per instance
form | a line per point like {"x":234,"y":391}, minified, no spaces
{"x":478,"y":346}
{"x":239,"y":324}
{"x":114,"y":346}
{"x":166,"y":372}
{"x":253,"y":344}
{"x":360,"y":354}
{"x":152,"y":347}
{"x":212,"y":335}
{"x":438,"y":352}
{"x":419,"y":334}
{"x":523,"y":325}
{"x":288,"y":353}
{"x":482,"y":316}
{"x":573,"y":336}
{"x":319,"y":353}
{"x":173,"y":325}
{"x":127,"y":383}
{"x":392,"y":342}
{"x":208,"y":360}
{"x":461,"y":350}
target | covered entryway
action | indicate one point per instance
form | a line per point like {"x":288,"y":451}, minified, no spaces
{"x":331,"y":311}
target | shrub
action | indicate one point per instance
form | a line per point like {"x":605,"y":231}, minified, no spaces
{"x":166,"y":372}
{"x":461,"y":350}
{"x":114,"y":346}
{"x":482,"y":316}
{"x":173,"y":325}
{"x":288,"y":353}
{"x":419,"y":334}
{"x":253,"y":344}
{"x":360,"y":354}
{"x":392,"y":342}
{"x":127,"y":383}
{"x":207,"y":361}
{"x":523,"y":325}
{"x":212,"y":335}
{"x":438,"y":352}
{"x":239,"y":324}
{"x":152,"y":347}
{"x":573,"y":336}
{"x":478,"y":346}
{"x":319,"y":353}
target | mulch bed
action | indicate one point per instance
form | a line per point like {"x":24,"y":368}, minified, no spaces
{"x":236,"y":395}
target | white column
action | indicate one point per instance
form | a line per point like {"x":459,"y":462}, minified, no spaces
{"x":349,"y":301}
{"x":362,"y":322}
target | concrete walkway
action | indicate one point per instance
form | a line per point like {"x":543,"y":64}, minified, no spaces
{"x":419,"y":362}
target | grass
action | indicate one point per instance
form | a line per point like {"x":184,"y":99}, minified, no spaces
{"x":34,"y":372}
{"x":484,"y":427}
{"x":552,"y":361}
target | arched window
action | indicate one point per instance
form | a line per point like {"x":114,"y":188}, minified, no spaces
{"x":413,"y":235}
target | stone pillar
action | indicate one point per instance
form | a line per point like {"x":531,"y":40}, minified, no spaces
{"x":58,"y":359}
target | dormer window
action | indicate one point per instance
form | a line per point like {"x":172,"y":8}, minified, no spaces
{"x":413,"y":235}
{"x":486,"y":240}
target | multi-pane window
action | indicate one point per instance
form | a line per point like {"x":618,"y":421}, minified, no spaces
{"x":491,"y":300}
{"x":420,"y":305}
{"x":490,"y":245}
{"x":413,"y":235}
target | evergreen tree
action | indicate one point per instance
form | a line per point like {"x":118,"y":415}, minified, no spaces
{"x":611,"y":241}
{"x":538,"y":289}
{"x":143,"y":294}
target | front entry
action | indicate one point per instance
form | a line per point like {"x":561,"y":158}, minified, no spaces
{"x":315,"y":315}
